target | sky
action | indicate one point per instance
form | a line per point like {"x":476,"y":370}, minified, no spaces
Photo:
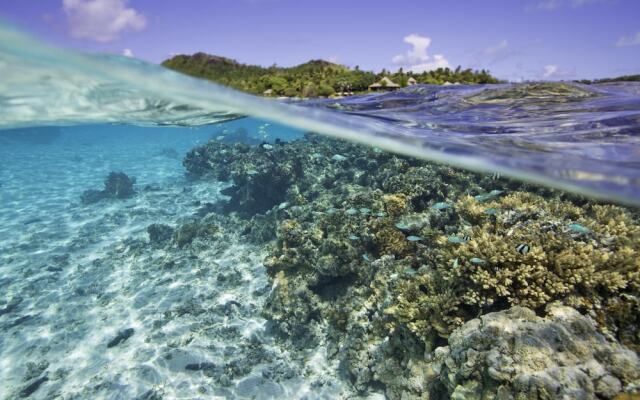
{"x":514,"y":39}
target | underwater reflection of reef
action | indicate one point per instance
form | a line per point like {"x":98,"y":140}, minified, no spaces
{"x":389,"y":261}
{"x":40,"y":135}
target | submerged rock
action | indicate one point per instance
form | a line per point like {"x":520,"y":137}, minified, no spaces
{"x":121,"y":337}
{"x":516,"y":354}
{"x":159,"y":233}
{"x":31,"y":388}
{"x":117,"y":185}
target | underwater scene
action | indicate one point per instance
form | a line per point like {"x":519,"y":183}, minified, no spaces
{"x":163,"y":237}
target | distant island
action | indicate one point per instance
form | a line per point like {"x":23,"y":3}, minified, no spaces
{"x":623,"y":78}
{"x":316,"y":78}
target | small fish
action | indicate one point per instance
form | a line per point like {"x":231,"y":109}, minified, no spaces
{"x":252,"y":172}
{"x":477,"y":261}
{"x":381,"y":214}
{"x":578,"y":228}
{"x":364,"y":210}
{"x":366,"y":258}
{"x":523,"y":248}
{"x":283,"y":205}
{"x":353,"y":237}
{"x":267,"y":146}
{"x":492,"y":211}
{"x":351,"y":211}
{"x":402,"y":226}
{"x":455,"y":263}
{"x":458,"y":239}
{"x":441,"y":206}
{"x":488,"y":196}
{"x":413,"y":238}
{"x":331,"y":210}
{"x":483,"y":197}
{"x":409,"y":271}
{"x":338,"y":157}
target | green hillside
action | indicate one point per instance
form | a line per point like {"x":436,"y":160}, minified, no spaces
{"x":311,"y":79}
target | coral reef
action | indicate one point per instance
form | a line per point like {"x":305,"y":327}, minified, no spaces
{"x":384,"y":258}
{"x":515,"y":354}
{"x":117,"y":185}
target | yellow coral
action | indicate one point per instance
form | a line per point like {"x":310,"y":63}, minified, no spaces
{"x":395,"y":204}
{"x":489,"y":272}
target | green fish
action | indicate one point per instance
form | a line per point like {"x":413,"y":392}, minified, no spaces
{"x":414,"y":238}
{"x":351,"y":211}
{"x":477,"y":261}
{"x":578,"y":228}
{"x":338,"y":157}
{"x":353,"y":237}
{"x":441,"y":206}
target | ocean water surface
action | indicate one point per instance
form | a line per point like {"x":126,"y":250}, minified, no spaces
{"x":245,"y":257}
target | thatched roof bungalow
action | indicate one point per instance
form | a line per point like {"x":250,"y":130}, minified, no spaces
{"x":384,"y":84}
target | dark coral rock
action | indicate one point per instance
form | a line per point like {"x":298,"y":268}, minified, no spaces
{"x":31,"y":388}
{"x":121,"y":337}
{"x":117,"y":185}
{"x":190,"y":231}
{"x":159,"y":233}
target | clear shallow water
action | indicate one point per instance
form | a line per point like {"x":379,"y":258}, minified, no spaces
{"x":75,"y":276}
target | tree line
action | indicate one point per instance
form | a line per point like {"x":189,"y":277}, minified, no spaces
{"x":311,"y":79}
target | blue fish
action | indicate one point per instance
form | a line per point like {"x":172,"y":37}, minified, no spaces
{"x":414,"y":238}
{"x":477,"y":261}
{"x":351,"y":211}
{"x":353,"y":237}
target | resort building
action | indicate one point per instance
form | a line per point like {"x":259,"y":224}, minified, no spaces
{"x":384,"y":84}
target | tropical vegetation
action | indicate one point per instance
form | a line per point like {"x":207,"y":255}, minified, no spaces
{"x":311,"y":79}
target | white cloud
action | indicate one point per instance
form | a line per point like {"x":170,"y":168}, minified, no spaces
{"x":417,"y":59}
{"x":101,"y":20}
{"x":549,"y":70}
{"x":550,"y":5}
{"x":552,"y":71}
{"x":127,"y":53}
{"x":629,"y":40}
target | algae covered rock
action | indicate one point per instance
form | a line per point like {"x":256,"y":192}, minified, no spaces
{"x":515,"y":354}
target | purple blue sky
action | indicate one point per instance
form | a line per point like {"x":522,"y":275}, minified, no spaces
{"x":530,"y":39}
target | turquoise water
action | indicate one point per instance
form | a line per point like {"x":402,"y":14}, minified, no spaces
{"x":227,"y":270}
